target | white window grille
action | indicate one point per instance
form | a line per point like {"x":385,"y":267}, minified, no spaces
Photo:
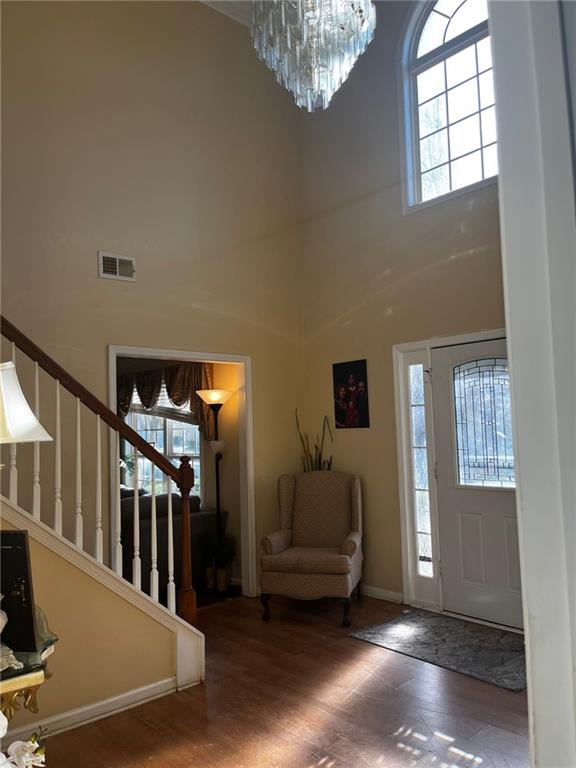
{"x":451,"y":134}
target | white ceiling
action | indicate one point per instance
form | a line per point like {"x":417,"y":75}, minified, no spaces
{"x":239,"y":10}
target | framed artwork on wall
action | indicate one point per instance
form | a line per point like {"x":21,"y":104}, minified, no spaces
{"x":350,"y":385}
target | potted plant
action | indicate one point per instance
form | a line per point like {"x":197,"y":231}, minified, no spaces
{"x":313,"y":461}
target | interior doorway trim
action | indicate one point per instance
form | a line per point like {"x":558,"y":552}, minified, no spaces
{"x":420,"y":591}
{"x":249,"y":565}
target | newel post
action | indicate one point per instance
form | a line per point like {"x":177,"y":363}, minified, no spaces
{"x":186,"y":594}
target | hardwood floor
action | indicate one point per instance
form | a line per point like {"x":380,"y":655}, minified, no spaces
{"x":297,"y":692}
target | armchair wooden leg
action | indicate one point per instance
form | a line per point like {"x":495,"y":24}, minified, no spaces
{"x":264,"y":598}
{"x":346,"y":602}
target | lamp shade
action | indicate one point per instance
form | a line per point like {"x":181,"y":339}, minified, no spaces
{"x":18,"y":424}
{"x":214,"y":396}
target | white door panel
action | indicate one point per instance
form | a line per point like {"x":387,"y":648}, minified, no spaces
{"x":478,"y":536}
{"x":472,"y":547}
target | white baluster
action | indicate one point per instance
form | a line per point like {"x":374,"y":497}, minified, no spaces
{"x":78,"y":496}
{"x":57,"y":467}
{"x":118,"y":513}
{"x":36,"y":493}
{"x":171,"y":584}
{"x":136,"y":562}
{"x":154,"y":542}
{"x":13,"y":475}
{"x":99,"y":549}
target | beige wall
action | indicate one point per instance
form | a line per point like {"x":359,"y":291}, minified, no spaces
{"x":106,"y":646}
{"x":151,"y":130}
{"x":376,"y":277}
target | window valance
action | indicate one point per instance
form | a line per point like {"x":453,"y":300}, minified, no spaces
{"x":181,"y":383}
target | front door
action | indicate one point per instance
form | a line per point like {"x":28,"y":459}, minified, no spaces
{"x":478,"y":535}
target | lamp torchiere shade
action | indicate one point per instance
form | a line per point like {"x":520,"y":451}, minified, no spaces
{"x":214,"y":396}
{"x":18,"y":424}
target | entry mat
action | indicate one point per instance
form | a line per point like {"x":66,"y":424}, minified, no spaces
{"x":493,"y":655}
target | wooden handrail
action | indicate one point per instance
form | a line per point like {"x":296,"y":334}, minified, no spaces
{"x":90,"y":401}
{"x":183,"y":476}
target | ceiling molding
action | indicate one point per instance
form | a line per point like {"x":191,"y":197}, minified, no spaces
{"x":239,"y":10}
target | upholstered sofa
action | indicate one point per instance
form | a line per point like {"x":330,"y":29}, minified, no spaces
{"x":317,"y":552}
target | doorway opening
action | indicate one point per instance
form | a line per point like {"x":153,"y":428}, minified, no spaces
{"x":457,"y":478}
{"x":145,"y":389}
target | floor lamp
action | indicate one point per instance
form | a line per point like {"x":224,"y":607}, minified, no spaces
{"x":215,"y":399}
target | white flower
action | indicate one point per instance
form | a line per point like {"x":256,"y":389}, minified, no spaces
{"x":4,"y":762}
{"x":23,"y":754}
{"x":3,"y":726}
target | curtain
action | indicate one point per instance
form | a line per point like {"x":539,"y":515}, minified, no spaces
{"x":148,"y":386}
{"x":124,"y":389}
{"x":181,"y":382}
{"x":206,"y":415}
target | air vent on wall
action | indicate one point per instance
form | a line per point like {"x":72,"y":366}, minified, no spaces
{"x":115,"y":267}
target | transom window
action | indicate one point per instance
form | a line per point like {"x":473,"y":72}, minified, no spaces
{"x":168,"y":429}
{"x":450,"y":111}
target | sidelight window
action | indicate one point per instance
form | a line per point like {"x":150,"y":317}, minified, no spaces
{"x":420,"y":479}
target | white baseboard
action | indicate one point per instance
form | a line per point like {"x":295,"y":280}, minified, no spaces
{"x":381,"y":594}
{"x":87,"y":714}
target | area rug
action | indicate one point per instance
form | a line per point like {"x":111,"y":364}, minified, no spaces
{"x":488,"y":654}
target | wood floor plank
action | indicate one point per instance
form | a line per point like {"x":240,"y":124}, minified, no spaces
{"x":298,"y":692}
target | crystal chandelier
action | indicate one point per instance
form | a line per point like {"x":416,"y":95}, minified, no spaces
{"x":312,"y":45}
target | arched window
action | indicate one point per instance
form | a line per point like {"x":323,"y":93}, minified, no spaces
{"x":449,"y":99}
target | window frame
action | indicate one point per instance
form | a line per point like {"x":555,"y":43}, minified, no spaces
{"x":418,"y":590}
{"x":410,"y":68}
{"x":418,"y":360}
{"x":168,"y":414}
{"x":422,"y":591}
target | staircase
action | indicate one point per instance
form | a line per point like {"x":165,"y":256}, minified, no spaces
{"x":70,"y":501}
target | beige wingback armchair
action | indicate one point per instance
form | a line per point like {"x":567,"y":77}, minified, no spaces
{"x":318,"y":550}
